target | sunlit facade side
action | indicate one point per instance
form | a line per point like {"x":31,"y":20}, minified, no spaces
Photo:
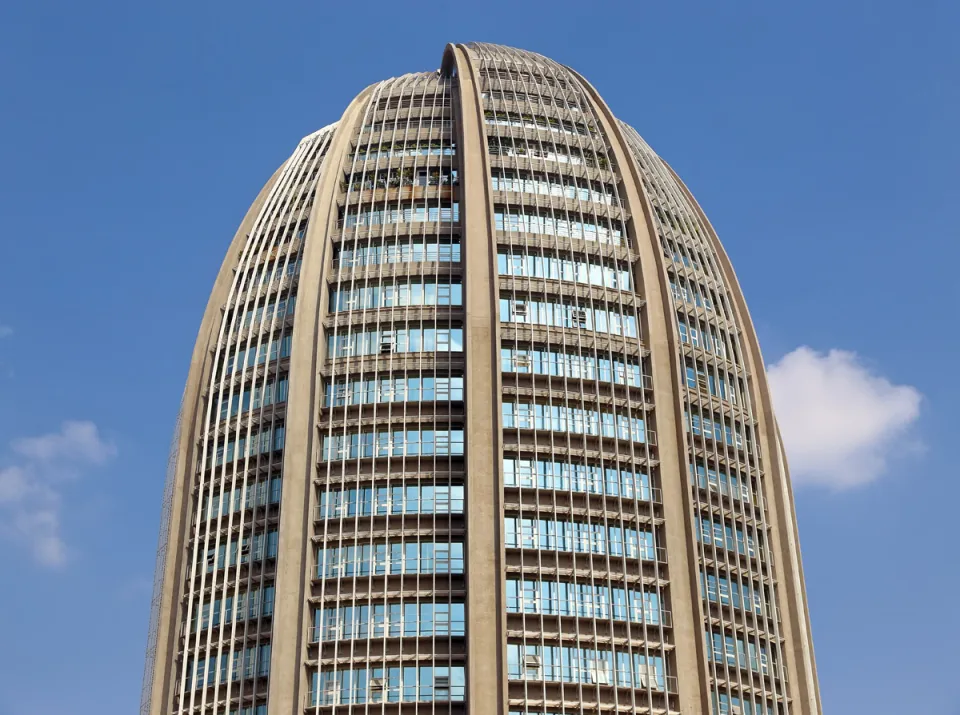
{"x":477,"y":422}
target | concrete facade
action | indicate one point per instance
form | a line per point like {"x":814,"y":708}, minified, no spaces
{"x":477,"y":421}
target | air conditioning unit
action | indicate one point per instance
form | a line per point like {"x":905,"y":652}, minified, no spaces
{"x":441,"y":682}
{"x":598,"y":674}
{"x":580,"y":317}
{"x":519,"y":310}
{"x":646,"y":676}
{"x":521,"y":361}
{"x":387,"y":342}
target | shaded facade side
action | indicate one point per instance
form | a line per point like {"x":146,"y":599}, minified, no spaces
{"x":215,"y":613}
{"x":755,"y":634}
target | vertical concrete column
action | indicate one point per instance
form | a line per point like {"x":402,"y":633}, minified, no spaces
{"x":165,"y":682}
{"x":486,"y":693}
{"x":288,"y":686}
{"x":661,"y":339}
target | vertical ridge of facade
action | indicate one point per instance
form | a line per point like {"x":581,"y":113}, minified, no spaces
{"x":484,"y":492}
{"x":477,"y":423}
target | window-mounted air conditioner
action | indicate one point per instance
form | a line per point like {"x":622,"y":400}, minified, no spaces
{"x":387,"y":342}
{"x":521,"y":361}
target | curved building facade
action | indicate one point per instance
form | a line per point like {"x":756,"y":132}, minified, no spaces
{"x":477,"y":422}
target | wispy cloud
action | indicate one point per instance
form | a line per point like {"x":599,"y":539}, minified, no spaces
{"x":30,"y":483}
{"x":5,"y":331}
{"x":840,"y":420}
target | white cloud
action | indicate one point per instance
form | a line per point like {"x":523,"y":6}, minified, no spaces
{"x":30,"y":485}
{"x":840,"y":421}
{"x":76,"y":442}
{"x":5,"y":331}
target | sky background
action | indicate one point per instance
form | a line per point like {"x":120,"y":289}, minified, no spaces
{"x":820,"y":138}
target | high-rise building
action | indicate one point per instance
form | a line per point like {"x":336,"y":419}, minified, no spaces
{"x":477,"y":422}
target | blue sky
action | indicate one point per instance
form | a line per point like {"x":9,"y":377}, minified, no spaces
{"x":818,"y":136}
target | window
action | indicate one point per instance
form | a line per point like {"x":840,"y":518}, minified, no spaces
{"x":584,"y":478}
{"x":568,"y":316}
{"x":585,"y":230}
{"x":532,"y":665}
{"x":390,"y":558}
{"x":258,"y":354}
{"x":566,"y":664}
{"x":399,"y":294}
{"x":403,"y":214}
{"x":418,"y":147}
{"x":390,"y":389}
{"x":552,"y":124}
{"x":387,"y":341}
{"x":409,"y":340}
{"x":585,"y":365}
{"x":578,"y":537}
{"x":408,"y":683}
{"x":255,"y":398}
{"x":597,"y":671}
{"x":259,"y":443}
{"x":552,"y":185}
{"x":574,"y":420}
{"x":412,"y":251}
